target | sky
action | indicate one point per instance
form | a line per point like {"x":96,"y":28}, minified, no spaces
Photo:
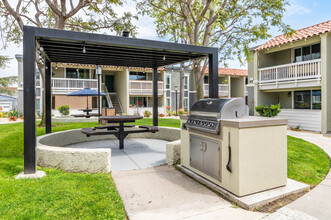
{"x":299,"y":14}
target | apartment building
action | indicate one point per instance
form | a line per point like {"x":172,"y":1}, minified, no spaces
{"x":295,"y":72}
{"x":129,"y":90}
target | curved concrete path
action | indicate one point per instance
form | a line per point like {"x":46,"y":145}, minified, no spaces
{"x":316,"y":204}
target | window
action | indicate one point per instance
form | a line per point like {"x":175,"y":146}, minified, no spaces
{"x":167,"y":81}
{"x":307,"y":53}
{"x":302,"y":100}
{"x":316,"y":99}
{"x":316,"y":51}
{"x":185,"y":82}
{"x":168,"y":102}
{"x":71,"y":73}
{"x":186,"y":104}
{"x":297,"y":55}
{"x":84,"y":73}
{"x":137,"y":76}
{"x":37,"y":104}
{"x":206,"y":80}
{"x":138,"y":101}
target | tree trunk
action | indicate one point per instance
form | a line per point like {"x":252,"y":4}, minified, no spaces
{"x":199,"y":80}
{"x":181,"y":86}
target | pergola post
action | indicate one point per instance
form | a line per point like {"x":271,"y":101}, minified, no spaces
{"x":29,"y":82}
{"x":155,"y":98}
{"x":48,"y":96}
{"x":213,"y":75}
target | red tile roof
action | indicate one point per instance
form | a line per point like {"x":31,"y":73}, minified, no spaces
{"x":230,"y":72}
{"x":299,"y":35}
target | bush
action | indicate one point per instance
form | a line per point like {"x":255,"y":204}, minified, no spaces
{"x":169,"y":113}
{"x":16,"y":114}
{"x":64,"y":110}
{"x":161,"y":115}
{"x":180,"y":111}
{"x":1,"y":114}
{"x":147,"y":114}
{"x":266,"y":111}
{"x":12,"y":118}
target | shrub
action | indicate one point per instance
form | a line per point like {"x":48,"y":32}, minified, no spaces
{"x":22,"y":117}
{"x":16,"y":114}
{"x":5,"y":115}
{"x":161,"y":115}
{"x":180,"y":111}
{"x":266,"y":111}
{"x":12,"y":118}
{"x":169,"y":113}
{"x":1,"y":114}
{"x":64,"y":110}
{"x":147,"y":114}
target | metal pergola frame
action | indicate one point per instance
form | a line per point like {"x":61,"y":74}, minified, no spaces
{"x":66,"y":46}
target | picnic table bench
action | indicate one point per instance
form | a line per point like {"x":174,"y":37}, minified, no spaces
{"x":117,"y":128}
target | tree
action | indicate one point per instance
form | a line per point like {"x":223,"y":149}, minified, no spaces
{"x":79,"y":15}
{"x":231,"y":25}
{"x":5,"y":82}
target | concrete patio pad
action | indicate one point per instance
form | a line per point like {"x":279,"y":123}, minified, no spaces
{"x":138,"y":153}
{"x":165,"y":193}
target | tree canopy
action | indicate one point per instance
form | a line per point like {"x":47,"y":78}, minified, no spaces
{"x":231,"y":25}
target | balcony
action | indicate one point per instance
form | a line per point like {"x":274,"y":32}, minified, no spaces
{"x":223,"y":90}
{"x":144,"y":87}
{"x":66,"y":85}
{"x":301,"y":74}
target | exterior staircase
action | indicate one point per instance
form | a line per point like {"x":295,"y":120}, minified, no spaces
{"x":116,"y":103}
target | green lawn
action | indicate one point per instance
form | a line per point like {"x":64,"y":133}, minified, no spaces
{"x":94,"y":196}
{"x":59,"y":194}
{"x":306,"y":162}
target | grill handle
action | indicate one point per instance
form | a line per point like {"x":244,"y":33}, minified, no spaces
{"x":228,"y":165}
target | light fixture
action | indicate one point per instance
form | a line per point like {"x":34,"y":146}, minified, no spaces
{"x":172,"y":68}
{"x":77,"y":70}
{"x":164,"y":57}
{"x":40,"y":57}
{"x":176,"y":88}
{"x":99,"y":72}
{"x":84,"y":50}
{"x":41,"y":49}
{"x":56,"y":67}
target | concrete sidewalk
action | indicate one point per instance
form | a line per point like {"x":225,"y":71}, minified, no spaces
{"x":165,"y":193}
{"x":315,"y":204}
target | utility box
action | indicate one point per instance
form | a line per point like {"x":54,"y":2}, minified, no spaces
{"x":107,"y":112}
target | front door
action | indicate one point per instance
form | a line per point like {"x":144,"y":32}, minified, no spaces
{"x":110,"y":83}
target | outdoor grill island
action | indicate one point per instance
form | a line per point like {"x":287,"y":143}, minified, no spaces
{"x":240,"y":153}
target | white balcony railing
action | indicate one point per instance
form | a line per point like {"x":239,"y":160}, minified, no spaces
{"x":296,"y":72}
{"x":223,"y":89}
{"x":144,"y":87}
{"x":66,"y":84}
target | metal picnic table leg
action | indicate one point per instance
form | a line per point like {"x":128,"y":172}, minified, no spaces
{"x":121,"y":135}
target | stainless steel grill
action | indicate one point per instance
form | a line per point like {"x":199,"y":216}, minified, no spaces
{"x":205,"y":114}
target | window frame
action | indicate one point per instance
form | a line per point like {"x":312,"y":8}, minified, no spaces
{"x":301,"y":52}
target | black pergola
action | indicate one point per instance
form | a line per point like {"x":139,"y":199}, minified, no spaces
{"x":67,"y":47}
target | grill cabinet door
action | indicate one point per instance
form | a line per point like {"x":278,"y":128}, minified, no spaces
{"x":196,"y":155}
{"x":211,"y":159}
{"x":205,"y":155}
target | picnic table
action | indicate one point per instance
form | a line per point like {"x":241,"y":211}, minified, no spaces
{"x":87,"y":113}
{"x":117,"y":127}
